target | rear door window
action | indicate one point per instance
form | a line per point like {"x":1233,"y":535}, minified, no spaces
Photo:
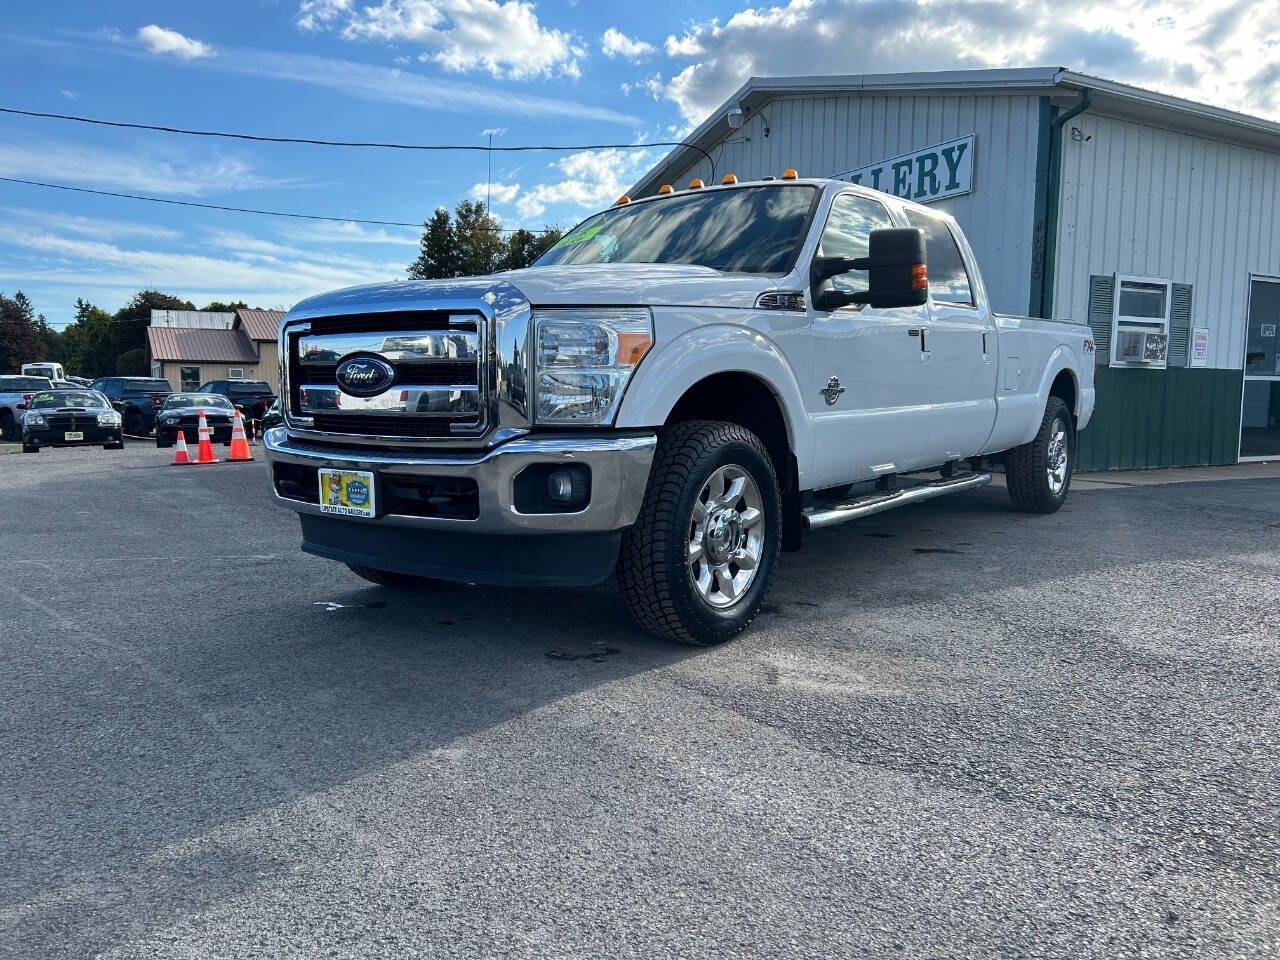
{"x":948,"y":278}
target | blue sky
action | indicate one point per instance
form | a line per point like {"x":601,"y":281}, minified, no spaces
{"x":447,"y":71}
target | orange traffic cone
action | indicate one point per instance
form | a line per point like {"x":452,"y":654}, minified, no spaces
{"x":239,"y":445}
{"x":180,"y":456}
{"x":204,"y":452}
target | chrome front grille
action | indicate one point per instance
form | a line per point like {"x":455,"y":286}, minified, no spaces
{"x":438,"y":389}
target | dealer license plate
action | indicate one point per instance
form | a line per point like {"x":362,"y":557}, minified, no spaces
{"x":73,"y":435}
{"x":348,"y":493}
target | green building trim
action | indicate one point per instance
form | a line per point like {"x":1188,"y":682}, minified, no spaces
{"x":1182,"y":416}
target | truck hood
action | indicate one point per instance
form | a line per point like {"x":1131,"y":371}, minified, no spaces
{"x":596,"y":284}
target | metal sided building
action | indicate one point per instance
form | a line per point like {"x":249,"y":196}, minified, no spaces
{"x":1153,"y":219}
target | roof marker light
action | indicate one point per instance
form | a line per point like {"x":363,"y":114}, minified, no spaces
{"x":729,"y":178}
{"x":621,"y":200}
{"x":695,"y":184}
{"x":665,"y":188}
{"x":789,"y":173}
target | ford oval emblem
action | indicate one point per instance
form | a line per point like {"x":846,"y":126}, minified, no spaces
{"x":364,"y":376}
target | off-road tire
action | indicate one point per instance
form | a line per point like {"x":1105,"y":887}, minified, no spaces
{"x":1027,"y":467}
{"x":390,"y":578}
{"x":652,"y":571}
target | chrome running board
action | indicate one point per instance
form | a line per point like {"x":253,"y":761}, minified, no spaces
{"x":872,"y":503}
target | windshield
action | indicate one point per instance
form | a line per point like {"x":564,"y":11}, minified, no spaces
{"x":742,"y":230}
{"x":251,"y":389}
{"x":24,"y":383}
{"x":68,"y":398}
{"x":196,"y":400}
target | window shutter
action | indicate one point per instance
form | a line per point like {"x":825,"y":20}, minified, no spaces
{"x":1179,"y":324}
{"x":1101,"y":296}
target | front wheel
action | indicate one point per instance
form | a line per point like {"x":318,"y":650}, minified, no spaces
{"x":1038,"y":474}
{"x":30,"y":448}
{"x":697,"y":564}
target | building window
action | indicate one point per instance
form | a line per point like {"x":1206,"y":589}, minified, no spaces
{"x":948,"y":278}
{"x":1140,"y":323}
{"x":236,"y":373}
{"x":189,"y":377}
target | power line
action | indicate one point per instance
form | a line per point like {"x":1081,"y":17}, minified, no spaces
{"x":215,"y":206}
{"x":315,"y":141}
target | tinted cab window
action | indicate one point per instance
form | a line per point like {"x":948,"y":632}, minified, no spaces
{"x":948,"y":278}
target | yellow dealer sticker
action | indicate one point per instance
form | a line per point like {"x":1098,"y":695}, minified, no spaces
{"x":348,"y":493}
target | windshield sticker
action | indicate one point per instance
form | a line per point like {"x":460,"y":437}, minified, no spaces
{"x":581,"y":235}
{"x":41,"y":396}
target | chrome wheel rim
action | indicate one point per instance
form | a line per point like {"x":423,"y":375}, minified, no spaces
{"x":1057,"y":461}
{"x":726,"y":537}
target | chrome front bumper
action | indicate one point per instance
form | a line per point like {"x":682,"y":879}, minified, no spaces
{"x":619,"y":467}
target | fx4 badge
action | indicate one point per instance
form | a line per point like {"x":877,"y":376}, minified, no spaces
{"x":831,"y":392}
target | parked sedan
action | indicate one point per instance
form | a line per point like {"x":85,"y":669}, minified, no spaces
{"x":273,"y":417}
{"x":181,"y":413}
{"x":64,"y":418}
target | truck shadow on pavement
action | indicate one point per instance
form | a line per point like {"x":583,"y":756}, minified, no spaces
{"x":157,"y":751}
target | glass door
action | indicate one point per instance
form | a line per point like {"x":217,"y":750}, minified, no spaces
{"x":1260,"y":407}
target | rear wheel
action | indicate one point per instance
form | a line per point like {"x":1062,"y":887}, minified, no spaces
{"x":8,"y":428}
{"x":133,"y":423}
{"x":697,"y":564}
{"x":1038,"y":474}
{"x":391,"y":578}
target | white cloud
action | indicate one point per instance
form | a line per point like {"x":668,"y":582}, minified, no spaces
{"x":366,"y":82}
{"x":143,"y":170}
{"x":69,"y":94}
{"x":615,"y":43}
{"x":588,"y":180}
{"x":652,"y":85}
{"x":62,"y":267}
{"x":162,"y":40}
{"x":502,"y":37}
{"x":326,"y":232}
{"x":501,"y":192}
{"x":1210,"y":52}
{"x":90,"y":226}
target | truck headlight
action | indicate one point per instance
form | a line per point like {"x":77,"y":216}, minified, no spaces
{"x":110,"y":419}
{"x":585,"y":357}
{"x":33,"y":420}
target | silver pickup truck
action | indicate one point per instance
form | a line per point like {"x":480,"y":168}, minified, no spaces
{"x":14,"y":392}
{"x":681,"y":387}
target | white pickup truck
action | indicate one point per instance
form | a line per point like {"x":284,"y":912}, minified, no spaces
{"x":675,"y":392}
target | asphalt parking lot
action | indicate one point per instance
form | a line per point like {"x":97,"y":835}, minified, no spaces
{"x":956,"y":731}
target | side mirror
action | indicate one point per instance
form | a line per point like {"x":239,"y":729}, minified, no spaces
{"x":22,"y":406}
{"x":896,"y":274}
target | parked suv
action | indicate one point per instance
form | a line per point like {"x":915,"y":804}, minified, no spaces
{"x":138,"y":399}
{"x":15,"y":393}
{"x":251,"y":397}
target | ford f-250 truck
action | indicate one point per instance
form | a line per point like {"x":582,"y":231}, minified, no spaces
{"x":679,"y":389}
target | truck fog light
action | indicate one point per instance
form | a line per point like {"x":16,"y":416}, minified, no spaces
{"x":560,"y":486}
{"x":552,"y":488}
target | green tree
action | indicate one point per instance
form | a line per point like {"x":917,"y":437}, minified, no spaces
{"x":132,"y":363}
{"x":20,"y":340}
{"x":477,"y":237}
{"x":437,"y":255}
{"x":217,"y":306}
{"x":525,"y":246}
{"x":129,"y":330}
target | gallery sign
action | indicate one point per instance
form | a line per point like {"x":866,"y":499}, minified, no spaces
{"x":927,"y":174}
